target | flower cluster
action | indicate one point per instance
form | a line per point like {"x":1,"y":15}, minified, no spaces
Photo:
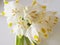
{"x":33,"y":22}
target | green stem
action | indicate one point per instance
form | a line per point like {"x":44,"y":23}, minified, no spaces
{"x":27,"y":41}
{"x":20,"y":41}
{"x":16,"y":40}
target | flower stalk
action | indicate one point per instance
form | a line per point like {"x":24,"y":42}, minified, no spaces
{"x":22,"y":40}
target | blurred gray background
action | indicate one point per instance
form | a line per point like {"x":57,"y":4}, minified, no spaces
{"x":8,"y":38}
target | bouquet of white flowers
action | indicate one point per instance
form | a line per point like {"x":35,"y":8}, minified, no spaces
{"x":31,"y":23}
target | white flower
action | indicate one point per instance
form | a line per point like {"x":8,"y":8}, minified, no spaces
{"x":33,"y":22}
